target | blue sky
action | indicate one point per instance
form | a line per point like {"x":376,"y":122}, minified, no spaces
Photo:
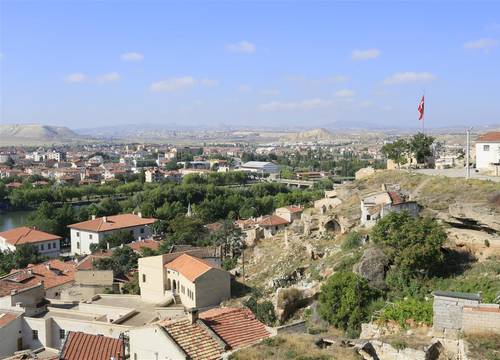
{"x":86,"y":64}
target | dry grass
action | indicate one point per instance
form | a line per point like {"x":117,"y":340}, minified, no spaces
{"x":484,"y":346}
{"x":294,"y":347}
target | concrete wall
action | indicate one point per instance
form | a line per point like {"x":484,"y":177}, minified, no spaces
{"x":152,"y":278}
{"x":448,"y":312}
{"x":212,"y":288}
{"x":485,"y":157}
{"x":9,"y":334}
{"x":153,"y":342}
{"x":482,"y":319}
{"x":94,"y":277}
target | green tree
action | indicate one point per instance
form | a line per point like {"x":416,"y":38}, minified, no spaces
{"x":413,"y":245}
{"x":121,"y":261}
{"x":344,"y":301}
{"x":397,"y":151}
{"x":420,"y":146}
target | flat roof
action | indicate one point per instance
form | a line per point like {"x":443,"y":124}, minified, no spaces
{"x":458,"y":295}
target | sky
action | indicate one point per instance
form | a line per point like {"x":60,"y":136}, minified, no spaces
{"x":279,"y":64}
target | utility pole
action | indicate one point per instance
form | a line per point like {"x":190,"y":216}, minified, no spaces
{"x":467,"y":155}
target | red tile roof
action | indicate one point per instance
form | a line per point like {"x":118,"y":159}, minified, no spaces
{"x":6,"y":318}
{"x":53,"y":273}
{"x":87,"y":263}
{"x":272,"y":220}
{"x":489,"y":137}
{"x":295,"y":208}
{"x":115,"y":222}
{"x":238,"y":327}
{"x":26,"y":235}
{"x":81,"y":346}
{"x":6,"y":286}
{"x":395,"y":197}
{"x":194,"y":340}
{"x":189,"y":266}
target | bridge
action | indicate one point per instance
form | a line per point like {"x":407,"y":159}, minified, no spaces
{"x":302,"y":184}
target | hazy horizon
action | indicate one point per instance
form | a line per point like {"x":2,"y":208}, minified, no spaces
{"x":258,"y":64}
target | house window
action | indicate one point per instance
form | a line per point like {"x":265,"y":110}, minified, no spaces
{"x":78,"y":245}
{"x":54,"y":245}
{"x":90,"y":236}
{"x":78,"y":233}
{"x":142,"y":230}
{"x":143,"y":277}
{"x":368,"y":217}
{"x":135,"y":356}
{"x":49,"y":245}
{"x":34,"y":334}
{"x":486,"y":148}
{"x":183,"y":289}
{"x":131,"y":232}
{"x":62,"y":334}
{"x":42,"y":247}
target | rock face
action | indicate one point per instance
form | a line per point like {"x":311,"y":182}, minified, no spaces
{"x":378,"y":350}
{"x":476,"y":216}
{"x":373,"y":266}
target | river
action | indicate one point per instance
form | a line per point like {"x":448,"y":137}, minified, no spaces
{"x":12,"y":219}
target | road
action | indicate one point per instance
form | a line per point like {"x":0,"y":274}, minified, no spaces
{"x":457,"y":173}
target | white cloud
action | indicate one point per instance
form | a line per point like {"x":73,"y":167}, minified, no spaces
{"x":75,"y":78}
{"x":132,"y":57}
{"x":209,"y":82}
{"x":345,"y":93}
{"x":244,"y":88}
{"x":173,"y":84}
{"x":242,"y":47}
{"x":481,"y":44}
{"x":365,"y":54}
{"x":309,"y":104}
{"x":409,"y":77}
{"x":110,"y":77}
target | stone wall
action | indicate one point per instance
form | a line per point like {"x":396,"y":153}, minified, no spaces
{"x":448,"y":312}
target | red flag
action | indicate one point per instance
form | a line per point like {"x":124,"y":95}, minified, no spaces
{"x":421,"y":109}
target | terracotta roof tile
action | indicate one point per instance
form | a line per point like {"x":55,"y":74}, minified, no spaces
{"x":189,"y":266}
{"x":489,"y":137}
{"x":26,"y":235}
{"x":238,"y":327}
{"x":295,"y":208}
{"x":53,"y":273}
{"x":81,"y":346}
{"x":194,"y":340}
{"x":114,"y":222}
{"x":272,"y":220}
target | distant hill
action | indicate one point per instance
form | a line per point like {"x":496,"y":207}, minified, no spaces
{"x":34,"y":134}
{"x":309,"y":135}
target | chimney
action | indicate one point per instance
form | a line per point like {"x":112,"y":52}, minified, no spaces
{"x":192,"y":315}
{"x":104,"y":219}
{"x":139,"y":214}
{"x":107,"y":245}
{"x":93,"y":217}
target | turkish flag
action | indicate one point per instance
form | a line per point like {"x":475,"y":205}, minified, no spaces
{"x":421,"y":109}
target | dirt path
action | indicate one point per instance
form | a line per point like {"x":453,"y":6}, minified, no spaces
{"x":416,"y":192}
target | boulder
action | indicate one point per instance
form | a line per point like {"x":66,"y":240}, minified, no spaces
{"x":373,"y":266}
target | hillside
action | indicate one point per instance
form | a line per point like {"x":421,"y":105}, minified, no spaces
{"x":33,"y":134}
{"x":309,"y":135}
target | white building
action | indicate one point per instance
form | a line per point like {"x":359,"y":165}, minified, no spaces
{"x":261,"y":167}
{"x":47,"y":244}
{"x":89,"y":232}
{"x":488,"y":151}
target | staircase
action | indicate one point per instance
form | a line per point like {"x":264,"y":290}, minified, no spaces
{"x":177,"y":299}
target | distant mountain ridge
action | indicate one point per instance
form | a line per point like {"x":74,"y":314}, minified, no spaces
{"x":319,"y":134}
{"x":26,"y":134}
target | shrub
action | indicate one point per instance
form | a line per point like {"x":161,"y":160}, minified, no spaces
{"x":344,"y":299}
{"x":352,"y":240}
{"x":263,"y":311}
{"x":401,"y":311}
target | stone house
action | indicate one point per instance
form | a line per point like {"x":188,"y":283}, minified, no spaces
{"x":290,"y":213}
{"x":376,"y":206}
